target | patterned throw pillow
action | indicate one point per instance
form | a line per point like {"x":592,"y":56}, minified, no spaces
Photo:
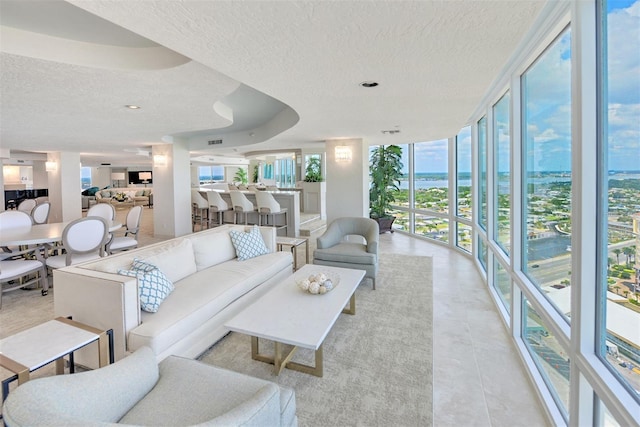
{"x":248,"y":244}
{"x":153,"y":285}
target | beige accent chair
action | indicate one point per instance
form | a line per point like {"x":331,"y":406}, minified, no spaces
{"x":138,"y":391}
{"x":334,"y":250}
{"x":123,"y":243}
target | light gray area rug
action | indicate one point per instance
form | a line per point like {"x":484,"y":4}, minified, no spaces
{"x":377,"y":364}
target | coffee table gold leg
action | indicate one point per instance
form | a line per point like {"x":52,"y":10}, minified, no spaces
{"x":103,"y":350}
{"x":316,"y":370}
{"x":60,"y":366}
{"x":352,"y":305}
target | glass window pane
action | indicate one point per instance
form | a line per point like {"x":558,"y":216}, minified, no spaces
{"x":432,"y":227}
{"x":402,"y":195}
{"x":482,"y":171}
{"x":547,"y":172}
{"x":464,"y":237}
{"x":550,"y":358}
{"x":463,"y":160}
{"x":431,"y":178}
{"x":502,"y":284}
{"x":502,"y":177}
{"x":85,"y":177}
{"x":605,"y":419}
{"x":402,"y":220}
{"x":482,"y":253}
{"x":619,"y":306}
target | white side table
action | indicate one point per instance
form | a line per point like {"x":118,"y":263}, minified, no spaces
{"x":294,"y":243}
{"x":36,"y":347}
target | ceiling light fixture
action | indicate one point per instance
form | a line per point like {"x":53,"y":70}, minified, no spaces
{"x":369,"y":84}
{"x":132,"y":107}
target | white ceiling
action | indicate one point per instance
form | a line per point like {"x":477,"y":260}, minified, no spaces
{"x":259,"y":74}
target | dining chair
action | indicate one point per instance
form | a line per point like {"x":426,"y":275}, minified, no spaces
{"x":22,"y":272}
{"x":40,"y":214}
{"x":83,"y":240}
{"x":241,"y":206}
{"x":268,"y":206}
{"x":103,"y":210}
{"x":27,"y":205}
{"x":122,"y":243}
{"x":217,"y":205}
{"x":40,"y":200}
{"x":13,"y":219}
{"x":200,"y":208}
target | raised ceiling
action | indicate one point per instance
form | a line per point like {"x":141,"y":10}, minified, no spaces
{"x":260,"y":75}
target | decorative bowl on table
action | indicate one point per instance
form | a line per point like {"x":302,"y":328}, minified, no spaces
{"x":318,"y":283}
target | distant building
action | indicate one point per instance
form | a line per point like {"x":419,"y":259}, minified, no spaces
{"x":636,"y":232}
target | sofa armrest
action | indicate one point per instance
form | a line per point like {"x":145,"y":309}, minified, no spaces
{"x":102,"y":300}
{"x":269,"y":237}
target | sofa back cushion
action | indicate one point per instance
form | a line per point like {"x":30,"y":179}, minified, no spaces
{"x":211,"y":248}
{"x":176,"y":262}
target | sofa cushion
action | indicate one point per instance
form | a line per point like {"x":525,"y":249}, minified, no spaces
{"x":153,"y":285}
{"x":139,"y":193}
{"x":354,"y":253}
{"x":199,"y":297}
{"x":212,"y":247}
{"x":248,"y":244}
{"x":176,"y":262}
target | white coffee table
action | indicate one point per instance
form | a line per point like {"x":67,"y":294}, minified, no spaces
{"x":288,"y":315}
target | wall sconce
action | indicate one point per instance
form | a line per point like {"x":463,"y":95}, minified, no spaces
{"x":51,"y":166}
{"x":343,"y":153}
{"x":160,"y":160}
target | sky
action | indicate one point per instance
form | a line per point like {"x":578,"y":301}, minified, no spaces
{"x":548,"y":104}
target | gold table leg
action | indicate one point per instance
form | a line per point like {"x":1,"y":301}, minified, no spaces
{"x":352,"y":305}
{"x":281,"y":362}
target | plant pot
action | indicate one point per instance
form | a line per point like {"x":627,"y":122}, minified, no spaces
{"x":385,"y":224}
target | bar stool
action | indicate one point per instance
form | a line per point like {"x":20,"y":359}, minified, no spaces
{"x":217,"y":205}
{"x":241,"y":205}
{"x":268,"y":206}
{"x":200,"y":208}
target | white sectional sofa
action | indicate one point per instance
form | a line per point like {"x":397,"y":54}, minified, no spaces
{"x":211,"y":286}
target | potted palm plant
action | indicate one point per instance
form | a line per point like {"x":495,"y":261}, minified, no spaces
{"x":385,"y":171}
{"x":241,"y":176}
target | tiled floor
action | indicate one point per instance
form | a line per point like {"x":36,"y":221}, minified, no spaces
{"x":478,"y":379}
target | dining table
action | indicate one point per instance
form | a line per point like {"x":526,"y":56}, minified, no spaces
{"x":40,"y":234}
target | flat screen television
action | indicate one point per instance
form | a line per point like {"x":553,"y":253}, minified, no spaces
{"x":138,"y":177}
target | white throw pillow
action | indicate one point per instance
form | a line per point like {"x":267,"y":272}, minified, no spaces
{"x":248,"y":244}
{"x":153,"y":285}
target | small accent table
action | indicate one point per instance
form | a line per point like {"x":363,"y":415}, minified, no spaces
{"x":36,"y":347}
{"x":294,"y":243}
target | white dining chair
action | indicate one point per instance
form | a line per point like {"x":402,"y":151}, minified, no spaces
{"x":200,"y":209}
{"x":241,"y":206}
{"x":40,"y":214}
{"x":122,"y":243}
{"x":83,"y":240}
{"x":269,"y":207}
{"x":27,"y":205}
{"x":218,"y":206}
{"x":10,"y":220}
{"x":22,"y":272}
{"x":103,"y":210}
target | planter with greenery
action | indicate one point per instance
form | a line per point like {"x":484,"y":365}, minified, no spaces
{"x":313,"y":172}
{"x":385,"y":170}
{"x":241,"y":176}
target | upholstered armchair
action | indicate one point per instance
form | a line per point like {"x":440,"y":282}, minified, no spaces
{"x":138,"y":391}
{"x":334,"y":250}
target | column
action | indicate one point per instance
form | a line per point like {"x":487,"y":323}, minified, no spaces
{"x":64,"y":186}
{"x":347,"y":177}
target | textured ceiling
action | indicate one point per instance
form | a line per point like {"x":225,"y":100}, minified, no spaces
{"x":434,"y":61}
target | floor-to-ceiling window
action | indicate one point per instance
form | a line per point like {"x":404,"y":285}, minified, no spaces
{"x":546,"y":166}
{"x":542,"y":171}
{"x":431,"y":183}
{"x":618,"y":304}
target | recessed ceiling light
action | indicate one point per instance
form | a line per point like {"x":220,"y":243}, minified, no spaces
{"x":132,"y":107}
{"x":369,"y":84}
